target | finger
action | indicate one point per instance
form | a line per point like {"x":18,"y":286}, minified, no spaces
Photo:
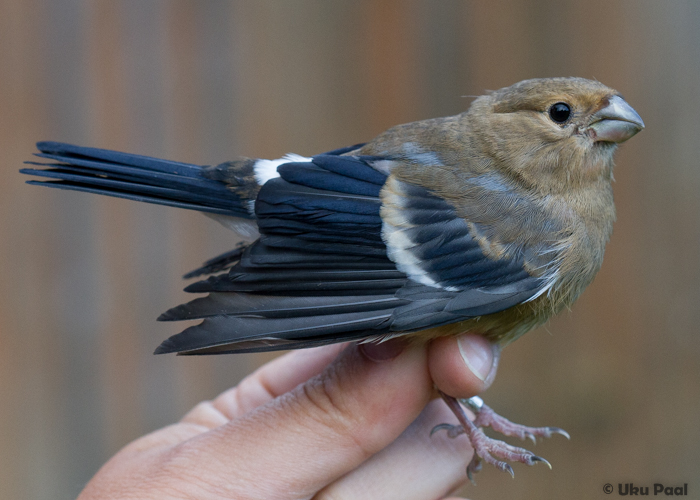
{"x":266,"y":383}
{"x":309,"y":437}
{"x":463,"y":366}
{"x":415,"y":466}
{"x":205,"y":414}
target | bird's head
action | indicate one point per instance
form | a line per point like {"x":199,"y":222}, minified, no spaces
{"x":553,"y":134}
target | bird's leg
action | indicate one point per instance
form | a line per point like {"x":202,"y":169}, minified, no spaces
{"x":487,"y":449}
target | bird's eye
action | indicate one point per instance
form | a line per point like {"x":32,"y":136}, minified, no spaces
{"x":560,"y":112}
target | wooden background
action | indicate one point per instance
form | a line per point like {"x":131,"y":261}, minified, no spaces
{"x":82,"y":278}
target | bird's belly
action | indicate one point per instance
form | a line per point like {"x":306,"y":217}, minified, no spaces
{"x":502,"y":327}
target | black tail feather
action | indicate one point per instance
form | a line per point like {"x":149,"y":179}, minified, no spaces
{"x":133,"y":177}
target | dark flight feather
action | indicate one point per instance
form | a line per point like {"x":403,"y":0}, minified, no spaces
{"x":134,"y":177}
{"x":320,"y":272}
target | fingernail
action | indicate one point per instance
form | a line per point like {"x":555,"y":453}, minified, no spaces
{"x":383,"y":351}
{"x":478,"y":354}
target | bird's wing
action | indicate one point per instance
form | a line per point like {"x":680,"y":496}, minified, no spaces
{"x":451,"y":277}
{"x":320,"y":272}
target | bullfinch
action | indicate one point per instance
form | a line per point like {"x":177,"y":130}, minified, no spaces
{"x":489,"y":221}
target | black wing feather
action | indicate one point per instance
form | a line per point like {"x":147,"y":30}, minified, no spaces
{"x":274,"y":306}
{"x":320,"y":272}
{"x":214,"y":335}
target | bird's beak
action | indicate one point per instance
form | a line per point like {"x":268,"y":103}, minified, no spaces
{"x":616,"y":122}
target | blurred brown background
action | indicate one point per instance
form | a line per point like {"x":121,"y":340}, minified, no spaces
{"x":83,"y":278}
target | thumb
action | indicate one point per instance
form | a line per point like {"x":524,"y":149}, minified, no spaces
{"x":324,"y":427}
{"x":463,"y":366}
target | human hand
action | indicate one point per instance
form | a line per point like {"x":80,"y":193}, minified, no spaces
{"x":321,"y":423}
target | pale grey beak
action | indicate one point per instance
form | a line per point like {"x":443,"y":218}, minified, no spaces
{"x":616,"y":122}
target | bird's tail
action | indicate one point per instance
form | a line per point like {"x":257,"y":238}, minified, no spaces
{"x":134,"y":177}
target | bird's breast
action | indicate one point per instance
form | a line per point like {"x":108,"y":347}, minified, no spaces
{"x":586,"y":218}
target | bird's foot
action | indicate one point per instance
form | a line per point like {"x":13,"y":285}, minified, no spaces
{"x":486,"y":449}
{"x":486,"y":417}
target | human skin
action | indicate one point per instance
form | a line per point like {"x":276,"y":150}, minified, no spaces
{"x":332,"y":422}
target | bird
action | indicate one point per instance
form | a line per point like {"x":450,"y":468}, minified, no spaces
{"x":490,"y":221}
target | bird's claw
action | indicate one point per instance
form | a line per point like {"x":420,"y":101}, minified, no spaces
{"x":473,"y":467}
{"x":485,"y":448}
{"x":488,"y":418}
{"x":490,"y":450}
{"x":452,"y":430}
{"x":440,"y":427}
{"x":531,"y":437}
{"x":535,"y":458}
{"x":557,"y":430}
{"x":507,"y":468}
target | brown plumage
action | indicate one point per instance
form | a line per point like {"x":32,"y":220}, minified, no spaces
{"x":550,"y":194}
{"x":488,"y":221}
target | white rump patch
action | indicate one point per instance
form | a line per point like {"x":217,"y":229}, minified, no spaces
{"x":267,"y":169}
